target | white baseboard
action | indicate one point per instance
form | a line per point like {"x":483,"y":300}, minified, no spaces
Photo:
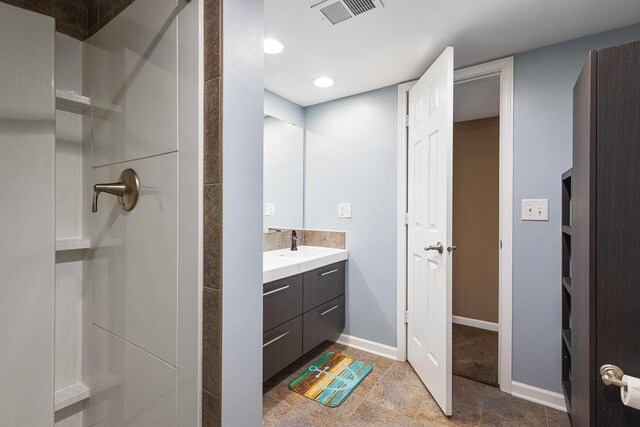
{"x":538,"y":395}
{"x":489,"y":326}
{"x":369,"y":346}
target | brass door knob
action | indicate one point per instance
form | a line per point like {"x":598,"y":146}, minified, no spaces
{"x":127,"y":190}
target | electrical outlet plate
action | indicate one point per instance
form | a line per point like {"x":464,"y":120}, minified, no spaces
{"x":344,"y":210}
{"x":535,"y":209}
{"x":269,"y":209}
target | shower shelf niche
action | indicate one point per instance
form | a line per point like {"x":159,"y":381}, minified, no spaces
{"x":71,"y":101}
{"x":72,"y":244}
{"x":73,"y":176}
{"x":71,"y":395}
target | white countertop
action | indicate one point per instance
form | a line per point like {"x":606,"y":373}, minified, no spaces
{"x":285,"y":263}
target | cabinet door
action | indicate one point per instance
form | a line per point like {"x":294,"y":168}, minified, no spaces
{"x":281,"y":346}
{"x":282,"y":301}
{"x":618,"y":228}
{"x":323,"y":284}
{"x":325,"y":322}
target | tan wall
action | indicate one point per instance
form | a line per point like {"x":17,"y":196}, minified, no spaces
{"x":475,"y":219}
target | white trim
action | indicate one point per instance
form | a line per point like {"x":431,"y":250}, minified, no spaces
{"x":401,"y":335}
{"x":481,"y":324}
{"x":504,"y":69}
{"x":369,"y":346}
{"x":538,"y":395}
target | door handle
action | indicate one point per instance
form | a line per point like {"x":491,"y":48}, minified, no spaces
{"x":328,"y":311}
{"x":326,"y":273}
{"x":437,"y":247}
{"x":279,"y":337}
{"x":275,"y":290}
{"x":127,"y":190}
{"x":612,"y":375}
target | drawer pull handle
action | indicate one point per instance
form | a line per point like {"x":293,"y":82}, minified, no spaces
{"x":275,"y":339}
{"x":329,"y":272}
{"x":275,"y":290}
{"x":325,"y":312}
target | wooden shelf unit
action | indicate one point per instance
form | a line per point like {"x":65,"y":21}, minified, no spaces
{"x":565,"y":285}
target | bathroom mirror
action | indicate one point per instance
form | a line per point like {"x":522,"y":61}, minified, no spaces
{"x":283,"y":174}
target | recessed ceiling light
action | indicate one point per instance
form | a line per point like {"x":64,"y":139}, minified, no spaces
{"x":323,"y":82}
{"x":272,"y":46}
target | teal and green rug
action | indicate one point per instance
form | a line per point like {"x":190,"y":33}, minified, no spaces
{"x":331,"y":379}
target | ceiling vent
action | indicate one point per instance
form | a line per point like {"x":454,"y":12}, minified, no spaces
{"x":339,"y":11}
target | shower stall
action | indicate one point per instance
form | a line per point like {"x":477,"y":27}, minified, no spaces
{"x":101,"y":311}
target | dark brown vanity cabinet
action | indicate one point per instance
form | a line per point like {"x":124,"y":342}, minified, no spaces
{"x":300,"y":313}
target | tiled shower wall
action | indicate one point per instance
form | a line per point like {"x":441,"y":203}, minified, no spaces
{"x":76,"y":18}
{"x":212,"y":249}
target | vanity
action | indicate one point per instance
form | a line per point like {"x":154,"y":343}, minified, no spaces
{"x":303,"y":303}
{"x":303,"y":290}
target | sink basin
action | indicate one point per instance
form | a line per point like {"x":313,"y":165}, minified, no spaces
{"x":285,"y":262}
{"x":303,"y":252}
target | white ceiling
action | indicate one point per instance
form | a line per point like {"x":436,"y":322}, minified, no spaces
{"x":397,"y":43}
{"x":477,"y":99}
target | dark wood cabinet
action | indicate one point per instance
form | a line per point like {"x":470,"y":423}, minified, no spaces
{"x":604,"y":245}
{"x":565,"y":286}
{"x":281,"y":301}
{"x":281,"y":346}
{"x":323,"y":323}
{"x":299,"y":313}
{"x":323,"y":284}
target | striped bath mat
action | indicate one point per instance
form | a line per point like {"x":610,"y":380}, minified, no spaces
{"x":331,"y":379}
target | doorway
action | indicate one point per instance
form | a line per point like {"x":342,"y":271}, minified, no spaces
{"x":476,"y":144}
{"x":503,"y":71}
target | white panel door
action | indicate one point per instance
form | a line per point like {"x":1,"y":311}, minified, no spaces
{"x":430,"y":210}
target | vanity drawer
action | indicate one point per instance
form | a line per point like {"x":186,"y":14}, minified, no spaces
{"x":281,"y":301}
{"x":323,"y":284}
{"x":280,"y":347}
{"x":323,"y":323}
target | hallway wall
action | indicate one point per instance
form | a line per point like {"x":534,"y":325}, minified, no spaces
{"x":476,"y":145}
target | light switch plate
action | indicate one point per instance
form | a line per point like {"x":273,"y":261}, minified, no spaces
{"x":535,"y":209}
{"x":269,"y":209}
{"x":344,"y":210}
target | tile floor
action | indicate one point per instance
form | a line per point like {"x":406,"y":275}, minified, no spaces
{"x":475,"y":354}
{"x":392,"y":395}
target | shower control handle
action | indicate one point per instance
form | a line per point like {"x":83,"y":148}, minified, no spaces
{"x":127,"y":190}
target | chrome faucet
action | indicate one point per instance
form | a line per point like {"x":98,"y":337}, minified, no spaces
{"x":294,"y":240}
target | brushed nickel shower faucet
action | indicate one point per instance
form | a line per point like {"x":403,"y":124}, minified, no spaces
{"x":127,"y":190}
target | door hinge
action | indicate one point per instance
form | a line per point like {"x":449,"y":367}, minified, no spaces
{"x":406,"y":120}
{"x":500,"y":243}
{"x":406,"y":218}
{"x":406,"y":316}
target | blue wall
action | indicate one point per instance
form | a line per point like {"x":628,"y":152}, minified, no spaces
{"x":351,"y":157}
{"x":283,"y":109}
{"x":543,"y":115}
{"x":242,"y":126}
